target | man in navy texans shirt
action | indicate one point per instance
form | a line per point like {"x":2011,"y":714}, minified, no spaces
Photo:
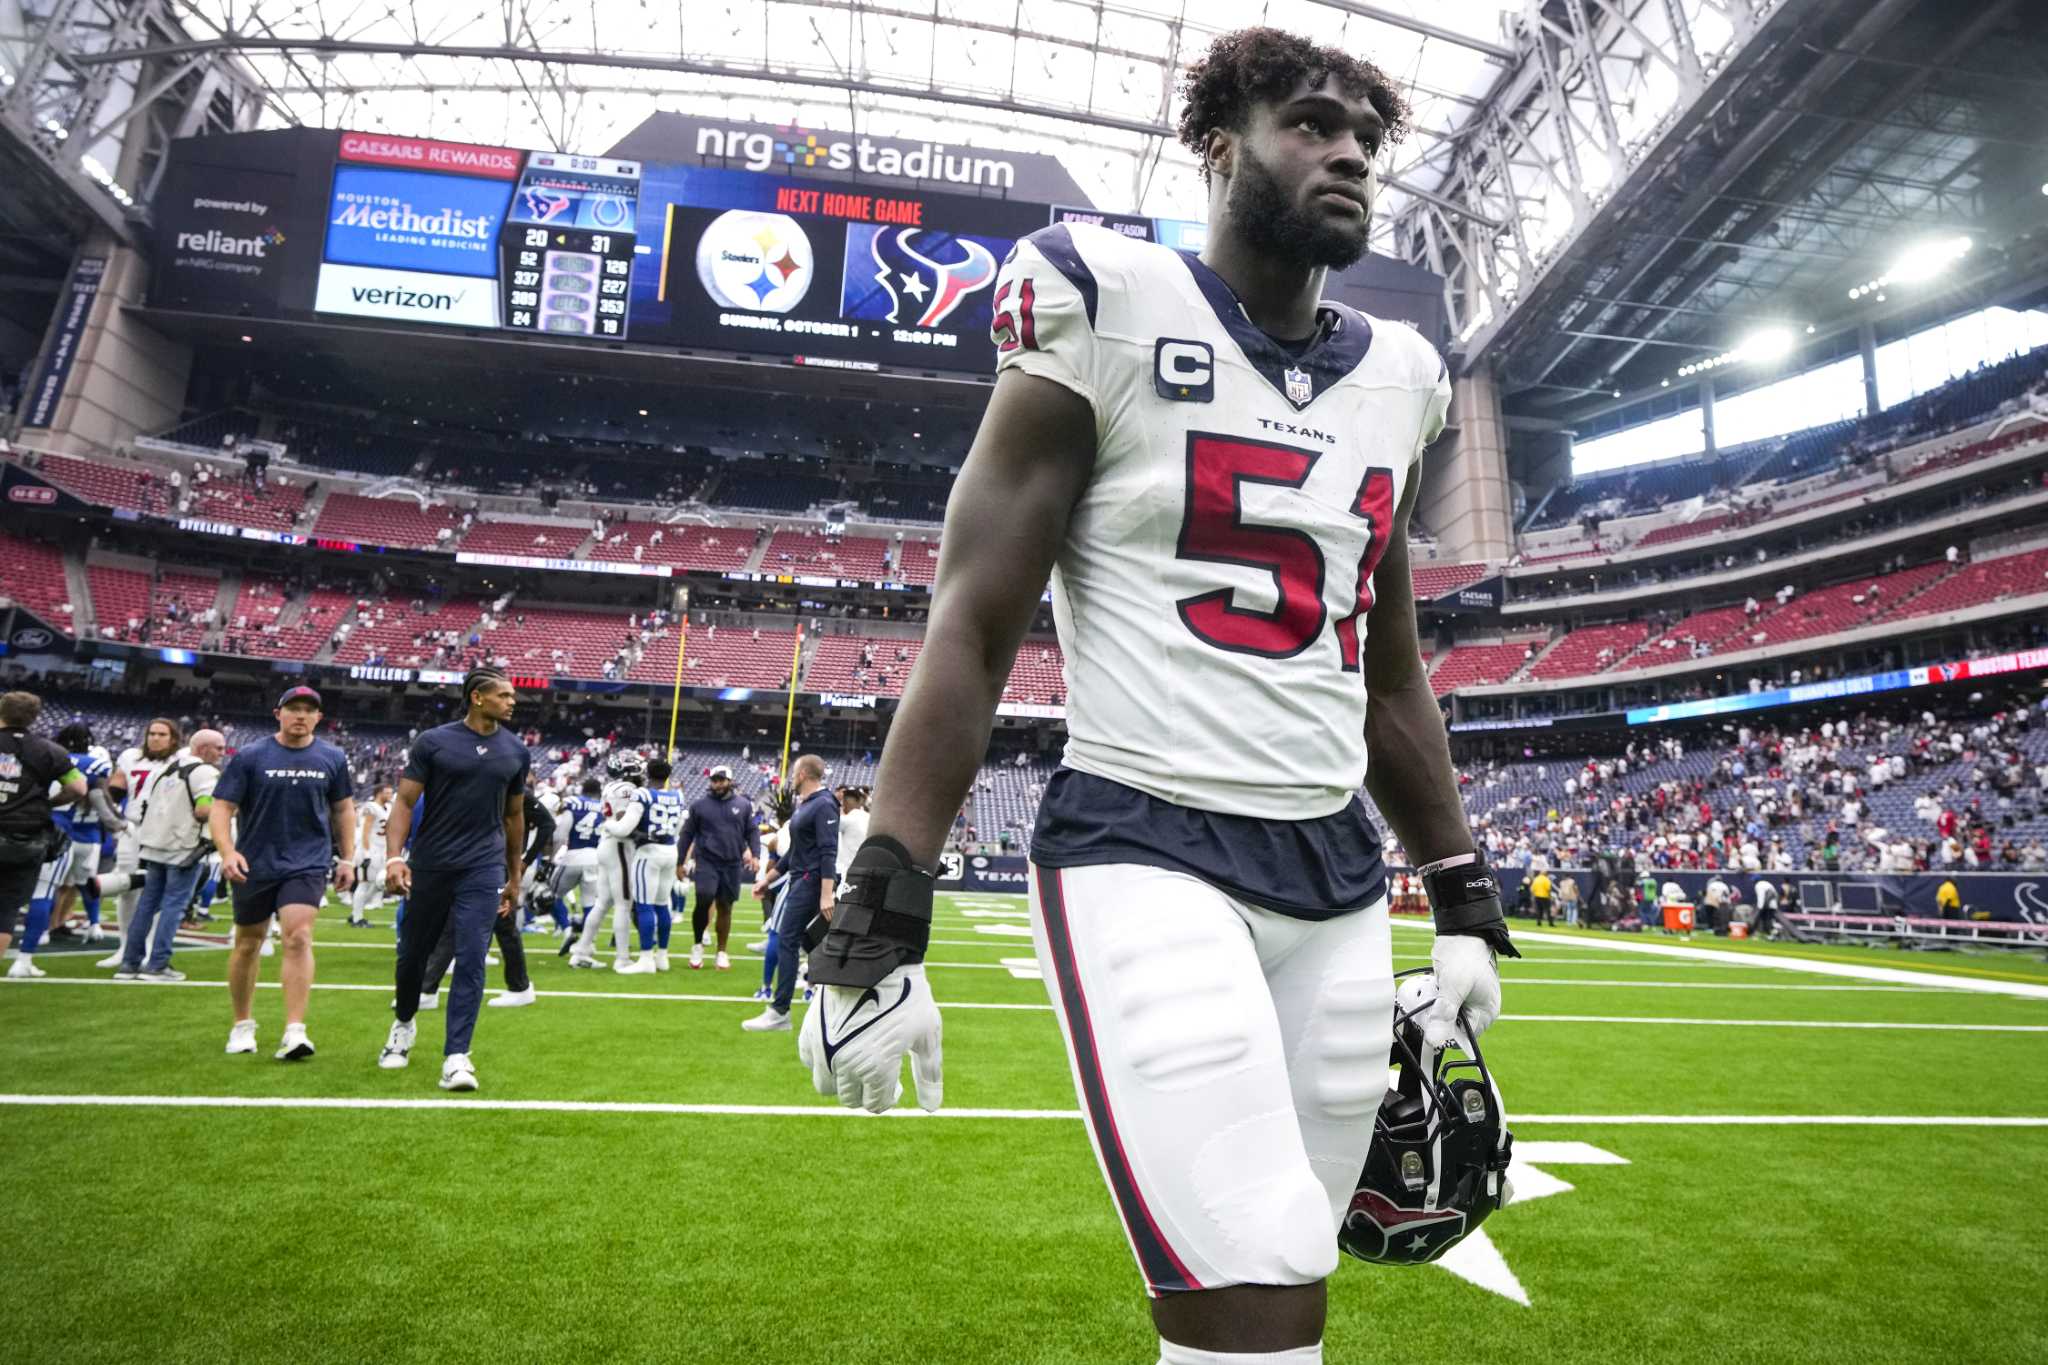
{"x":282,"y":810}
{"x":465,"y":862}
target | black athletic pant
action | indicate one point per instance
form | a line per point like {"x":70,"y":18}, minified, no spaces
{"x":505,"y":929}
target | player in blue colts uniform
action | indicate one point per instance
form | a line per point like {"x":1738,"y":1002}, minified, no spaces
{"x":652,"y":871}
{"x":77,"y":857}
{"x":470,"y":776}
{"x":718,"y":839}
{"x":1216,"y":465}
{"x":283,"y":812}
{"x":576,"y":866}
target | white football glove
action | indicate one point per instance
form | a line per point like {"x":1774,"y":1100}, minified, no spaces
{"x":1467,"y":978}
{"x":854,"y":1039}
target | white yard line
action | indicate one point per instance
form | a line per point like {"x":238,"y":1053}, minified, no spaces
{"x":833,"y":1111}
{"x":748,"y":1001}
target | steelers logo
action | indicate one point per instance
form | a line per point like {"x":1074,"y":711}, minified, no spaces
{"x":757,"y":261}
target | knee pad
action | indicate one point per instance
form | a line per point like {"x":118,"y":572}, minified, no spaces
{"x":1181,"y":1012}
{"x":1255,"y":1185}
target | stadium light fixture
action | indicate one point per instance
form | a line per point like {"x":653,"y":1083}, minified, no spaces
{"x":1922,"y":261}
{"x":1765,"y":344}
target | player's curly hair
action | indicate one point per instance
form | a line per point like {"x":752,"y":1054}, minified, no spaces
{"x":1256,"y":64}
{"x":480,"y":677}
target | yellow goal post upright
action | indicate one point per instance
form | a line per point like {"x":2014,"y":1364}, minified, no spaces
{"x":796,"y":655}
{"x":681,"y":604}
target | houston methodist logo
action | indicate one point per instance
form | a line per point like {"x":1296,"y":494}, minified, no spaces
{"x":793,"y":147}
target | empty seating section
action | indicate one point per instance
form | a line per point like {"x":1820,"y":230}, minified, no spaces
{"x":1703,"y":627}
{"x":528,"y":638}
{"x":1844,"y":606}
{"x":276,"y":506}
{"x":728,"y":658}
{"x":256,"y":626}
{"x":107,"y":485}
{"x":1688,"y":530}
{"x":1037,"y":677}
{"x":180,"y":607}
{"x":398,"y":522}
{"x":357,"y":449}
{"x":212,"y":431}
{"x":808,"y":552}
{"x":544,"y":540}
{"x":772,"y":486}
{"x":1439,"y":580}
{"x":120,"y":602}
{"x":1479,"y":665}
{"x":387,"y":631}
{"x":918,"y":562}
{"x":1589,"y":649}
{"x":1989,"y":580}
{"x":906,"y":498}
{"x":2031,"y":434}
{"x":32,"y":573}
{"x":711,"y":549}
{"x":836,"y":664}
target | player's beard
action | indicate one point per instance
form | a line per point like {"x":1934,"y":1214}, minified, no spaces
{"x":1277,"y":226}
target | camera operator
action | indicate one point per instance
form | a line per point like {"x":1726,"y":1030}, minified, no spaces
{"x":28,"y":835}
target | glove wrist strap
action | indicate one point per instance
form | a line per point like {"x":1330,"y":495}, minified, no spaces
{"x":881,"y":917}
{"x":1464,"y":898}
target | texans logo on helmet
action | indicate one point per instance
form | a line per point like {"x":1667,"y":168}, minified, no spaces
{"x":918,"y":277}
{"x":1403,"y":1232}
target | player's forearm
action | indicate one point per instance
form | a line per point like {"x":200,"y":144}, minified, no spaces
{"x":395,"y":833}
{"x":1409,"y":772}
{"x":936,"y":744}
{"x":515,"y":845}
{"x":220,"y":827}
{"x":344,"y":822}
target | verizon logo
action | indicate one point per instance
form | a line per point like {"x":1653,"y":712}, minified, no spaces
{"x":399,"y":297}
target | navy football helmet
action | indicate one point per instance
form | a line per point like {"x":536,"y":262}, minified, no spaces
{"x":1439,"y":1159}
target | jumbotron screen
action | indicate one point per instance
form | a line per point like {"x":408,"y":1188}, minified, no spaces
{"x":317,"y":223}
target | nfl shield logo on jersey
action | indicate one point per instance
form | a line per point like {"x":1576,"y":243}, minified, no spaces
{"x":1299,"y":389}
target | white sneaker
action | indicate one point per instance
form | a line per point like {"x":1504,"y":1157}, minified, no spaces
{"x":429,"y":1002}
{"x":704,"y":939}
{"x":163,"y":976}
{"x":761,"y":946}
{"x":457,"y":1073}
{"x":642,"y":965}
{"x":696,"y":957}
{"x":589,"y":963}
{"x":512,"y":999}
{"x":242,"y":1037}
{"x":95,"y":934}
{"x":110,"y":960}
{"x":661,"y":959}
{"x":490,"y":959}
{"x":124,"y":974}
{"x":25,"y":969}
{"x":397,"y":1046}
{"x":296,"y":1046}
{"x":269,"y":948}
{"x":770,"y":1020}
{"x":724,"y":963}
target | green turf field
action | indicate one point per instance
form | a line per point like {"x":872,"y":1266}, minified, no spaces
{"x":495,"y":1228}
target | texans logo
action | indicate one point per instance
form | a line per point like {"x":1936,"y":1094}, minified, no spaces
{"x":914,"y":277}
{"x":1951,"y":672}
{"x":1407,"y":1231}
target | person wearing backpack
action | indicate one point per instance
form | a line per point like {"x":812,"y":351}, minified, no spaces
{"x":174,"y":843}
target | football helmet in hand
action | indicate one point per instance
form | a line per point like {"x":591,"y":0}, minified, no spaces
{"x":1440,"y":1147}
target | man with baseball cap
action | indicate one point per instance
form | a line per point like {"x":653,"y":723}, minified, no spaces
{"x":289,"y":801}
{"x":718,"y":838}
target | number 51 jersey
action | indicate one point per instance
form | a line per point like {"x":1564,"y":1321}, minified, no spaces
{"x":1212,"y":590}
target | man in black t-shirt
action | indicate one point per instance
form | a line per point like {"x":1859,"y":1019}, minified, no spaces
{"x":28,"y":765}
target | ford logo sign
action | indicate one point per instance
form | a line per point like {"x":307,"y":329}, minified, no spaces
{"x":32,"y":637}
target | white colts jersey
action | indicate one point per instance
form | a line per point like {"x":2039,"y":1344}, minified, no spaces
{"x":1212,"y":591}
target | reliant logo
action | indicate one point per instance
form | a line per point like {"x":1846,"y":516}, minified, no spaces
{"x":219,"y":243}
{"x":792,"y":147}
{"x":389,"y":217}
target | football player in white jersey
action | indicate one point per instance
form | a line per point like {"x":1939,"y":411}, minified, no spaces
{"x":369,"y":890}
{"x":576,"y":865}
{"x":623,"y":800}
{"x":652,"y":872}
{"x":1216,"y":465}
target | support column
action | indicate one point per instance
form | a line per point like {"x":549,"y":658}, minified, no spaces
{"x":1707,"y":417}
{"x":1866,"y":341}
{"x":126,"y":378}
{"x":1466,"y":498}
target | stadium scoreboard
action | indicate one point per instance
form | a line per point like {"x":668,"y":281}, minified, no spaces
{"x":566,"y":252}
